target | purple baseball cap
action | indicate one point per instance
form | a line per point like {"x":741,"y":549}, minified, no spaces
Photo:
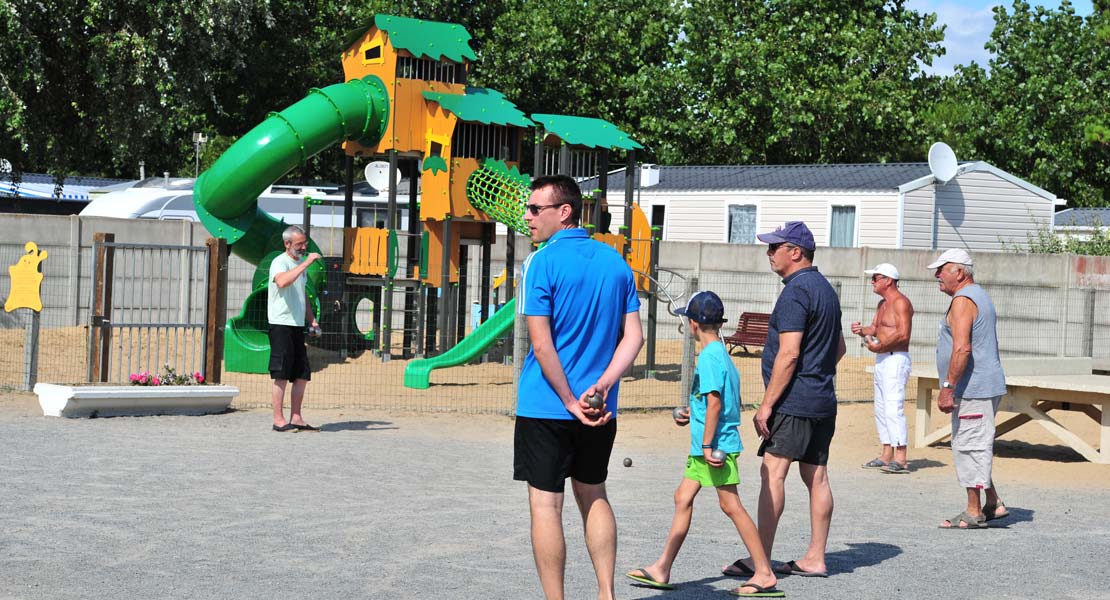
{"x":792,"y":232}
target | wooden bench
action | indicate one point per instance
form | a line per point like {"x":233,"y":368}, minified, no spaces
{"x":750,"y":331}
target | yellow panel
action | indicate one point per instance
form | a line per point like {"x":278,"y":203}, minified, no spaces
{"x":435,"y":253}
{"x":367,"y":250}
{"x":613,"y":240}
{"x":26,"y":280}
{"x":639,"y":258}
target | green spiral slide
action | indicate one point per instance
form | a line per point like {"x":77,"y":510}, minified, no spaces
{"x":226,"y":195}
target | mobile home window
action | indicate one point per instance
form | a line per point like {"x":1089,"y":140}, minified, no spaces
{"x":842,"y":229}
{"x":741,"y":224}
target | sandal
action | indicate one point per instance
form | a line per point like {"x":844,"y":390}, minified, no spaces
{"x":991,"y":511}
{"x":965,"y":521}
{"x":874,"y":463}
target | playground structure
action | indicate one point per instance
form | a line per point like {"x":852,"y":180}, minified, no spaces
{"x":406,"y":98}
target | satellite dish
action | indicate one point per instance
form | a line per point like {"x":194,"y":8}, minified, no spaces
{"x":377,"y":175}
{"x":5,"y":166}
{"x":942,"y":162}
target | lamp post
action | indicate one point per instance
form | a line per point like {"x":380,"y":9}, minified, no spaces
{"x":199,"y":140}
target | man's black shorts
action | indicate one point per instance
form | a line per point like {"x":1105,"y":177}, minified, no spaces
{"x":804,"y":439}
{"x":288,"y":355}
{"x":547,"y":451}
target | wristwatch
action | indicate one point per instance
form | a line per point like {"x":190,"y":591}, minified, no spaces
{"x":946,"y":385}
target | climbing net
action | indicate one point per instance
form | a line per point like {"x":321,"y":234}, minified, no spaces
{"x":500,"y":191}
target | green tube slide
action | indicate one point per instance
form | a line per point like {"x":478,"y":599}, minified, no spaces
{"x":226,"y":195}
{"x":418,"y":372}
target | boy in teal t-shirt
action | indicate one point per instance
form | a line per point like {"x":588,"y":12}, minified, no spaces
{"x":714,"y":418}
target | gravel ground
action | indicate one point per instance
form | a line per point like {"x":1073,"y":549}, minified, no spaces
{"x":418,"y":506}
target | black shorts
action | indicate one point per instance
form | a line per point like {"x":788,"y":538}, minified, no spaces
{"x":547,"y":451}
{"x":804,"y":439}
{"x":288,"y":355}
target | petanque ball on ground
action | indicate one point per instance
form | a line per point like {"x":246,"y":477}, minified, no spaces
{"x":628,"y":462}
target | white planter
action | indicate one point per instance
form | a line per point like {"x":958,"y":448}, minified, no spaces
{"x":133,"y":400}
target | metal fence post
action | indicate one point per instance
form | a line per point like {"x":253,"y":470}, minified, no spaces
{"x":687,"y":370}
{"x":100,"y":319}
{"x":31,"y":352}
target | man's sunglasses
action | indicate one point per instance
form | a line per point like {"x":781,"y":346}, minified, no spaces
{"x":536,"y":209}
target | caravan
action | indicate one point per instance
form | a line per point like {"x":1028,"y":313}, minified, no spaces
{"x":171,"y":198}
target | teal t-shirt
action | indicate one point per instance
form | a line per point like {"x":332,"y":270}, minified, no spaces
{"x":715,"y":373}
{"x":286,"y":306}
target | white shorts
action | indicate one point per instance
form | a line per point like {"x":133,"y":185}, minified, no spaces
{"x":973,"y":440}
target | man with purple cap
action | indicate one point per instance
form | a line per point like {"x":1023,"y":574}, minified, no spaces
{"x":972,"y":384}
{"x":797,"y":417}
{"x":888,"y":336}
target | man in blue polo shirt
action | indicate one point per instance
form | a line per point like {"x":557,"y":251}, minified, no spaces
{"x":584,"y":324}
{"x":797,"y":417}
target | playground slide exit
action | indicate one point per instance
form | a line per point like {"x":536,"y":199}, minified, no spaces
{"x":418,"y":372}
{"x":226,"y":195}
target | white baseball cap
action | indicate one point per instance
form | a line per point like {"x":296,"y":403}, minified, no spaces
{"x":955,"y":255}
{"x":884,"y":269}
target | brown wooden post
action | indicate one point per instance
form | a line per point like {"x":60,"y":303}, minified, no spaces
{"x":102,"y":307}
{"x":216,"y":311}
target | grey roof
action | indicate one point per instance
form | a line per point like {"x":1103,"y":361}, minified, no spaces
{"x":863,"y":177}
{"x":39,"y":186}
{"x":1082,"y":217}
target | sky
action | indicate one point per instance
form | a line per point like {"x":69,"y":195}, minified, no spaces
{"x":970,"y":23}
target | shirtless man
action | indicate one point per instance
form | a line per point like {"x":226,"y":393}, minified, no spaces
{"x":888,"y":336}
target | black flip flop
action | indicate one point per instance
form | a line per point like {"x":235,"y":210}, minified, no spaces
{"x":792,"y":568}
{"x":305,"y":427}
{"x":286,"y":427}
{"x":745,"y":570}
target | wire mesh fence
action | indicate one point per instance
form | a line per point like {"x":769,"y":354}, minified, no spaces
{"x":1035,"y":319}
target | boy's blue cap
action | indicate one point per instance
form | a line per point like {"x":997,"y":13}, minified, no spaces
{"x":792,"y":232}
{"x":705,"y":308}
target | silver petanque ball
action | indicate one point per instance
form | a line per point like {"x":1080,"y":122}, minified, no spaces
{"x":718,"y":455}
{"x":679,"y":414}
{"x":595,"y":401}
{"x":628,"y":462}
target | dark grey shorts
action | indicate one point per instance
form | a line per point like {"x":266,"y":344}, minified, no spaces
{"x":288,"y":355}
{"x":804,"y":439}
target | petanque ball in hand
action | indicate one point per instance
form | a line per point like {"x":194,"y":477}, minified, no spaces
{"x":679,"y":413}
{"x":595,"y":401}
{"x":718,"y":455}
{"x":628,"y":462}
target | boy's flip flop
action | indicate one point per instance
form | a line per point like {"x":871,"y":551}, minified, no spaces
{"x":648,"y":580}
{"x":792,"y":568}
{"x":760,"y":591}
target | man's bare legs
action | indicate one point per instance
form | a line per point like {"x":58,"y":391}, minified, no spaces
{"x":749,"y":534}
{"x":277,"y":397}
{"x":601,"y":533}
{"x":772,"y":501}
{"x":548,"y":545}
{"x":816,"y":479}
{"x":296,"y":401}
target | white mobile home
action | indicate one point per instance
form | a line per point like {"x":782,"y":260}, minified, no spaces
{"x":898,"y":205}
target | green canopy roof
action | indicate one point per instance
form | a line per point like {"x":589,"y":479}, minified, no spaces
{"x":431,"y":39}
{"x":481,"y":105}
{"x":584,"y":131}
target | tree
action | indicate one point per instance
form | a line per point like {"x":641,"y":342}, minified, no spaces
{"x":1038,"y":111}
{"x":792,"y":81}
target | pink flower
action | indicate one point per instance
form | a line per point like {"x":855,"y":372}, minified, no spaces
{"x":142,"y":379}
{"x":198,"y":377}
{"x":134,"y":377}
{"x":155,"y":381}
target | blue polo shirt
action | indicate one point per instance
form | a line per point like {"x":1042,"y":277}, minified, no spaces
{"x":810,"y":305}
{"x":586,"y":288}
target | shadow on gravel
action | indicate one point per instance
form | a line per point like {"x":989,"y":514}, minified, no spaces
{"x":866,"y":554}
{"x":358,"y":426}
{"x":1020,"y":449}
{"x":1017,"y":515}
{"x":918,"y":464}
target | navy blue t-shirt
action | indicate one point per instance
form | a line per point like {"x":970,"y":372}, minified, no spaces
{"x":810,"y":305}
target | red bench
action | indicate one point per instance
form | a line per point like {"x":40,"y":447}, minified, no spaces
{"x":750,"y":331}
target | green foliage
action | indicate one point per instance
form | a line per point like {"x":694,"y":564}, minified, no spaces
{"x":1040,"y":112}
{"x":1046,"y":241}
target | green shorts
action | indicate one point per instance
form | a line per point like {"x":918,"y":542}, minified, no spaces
{"x":698,"y":470}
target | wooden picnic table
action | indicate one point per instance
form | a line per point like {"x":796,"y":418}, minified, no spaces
{"x":1034,"y":386}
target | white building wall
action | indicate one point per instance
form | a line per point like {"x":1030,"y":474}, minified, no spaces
{"x":980,"y":211}
{"x":917,"y":218}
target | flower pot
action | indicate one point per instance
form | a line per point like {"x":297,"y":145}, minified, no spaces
{"x":134,"y":400}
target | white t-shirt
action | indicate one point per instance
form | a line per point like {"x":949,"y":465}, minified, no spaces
{"x":286,"y":306}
